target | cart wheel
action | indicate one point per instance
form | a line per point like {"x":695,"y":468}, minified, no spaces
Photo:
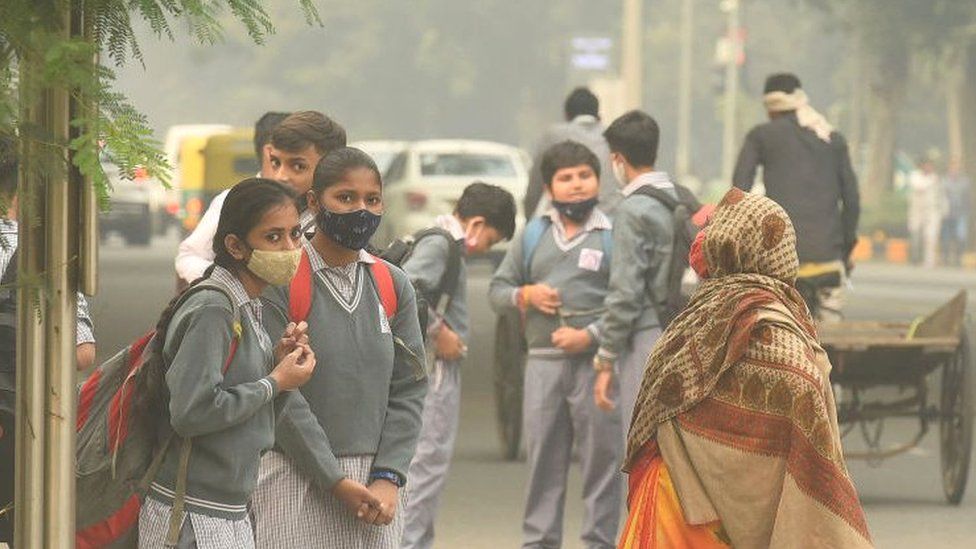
{"x":956,"y":423}
{"x":509,"y":369}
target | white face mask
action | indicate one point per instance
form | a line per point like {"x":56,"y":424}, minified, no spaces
{"x":619,"y":172}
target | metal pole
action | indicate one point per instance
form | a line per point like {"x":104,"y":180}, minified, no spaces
{"x":731,"y":91}
{"x":631,"y":65}
{"x":683,"y":155}
{"x":45,"y":498}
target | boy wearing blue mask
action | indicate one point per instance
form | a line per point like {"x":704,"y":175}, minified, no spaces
{"x":557,"y":274}
{"x":483,"y":217}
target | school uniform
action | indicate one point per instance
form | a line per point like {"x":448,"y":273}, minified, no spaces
{"x":643,"y":241}
{"x":365,"y":397}
{"x":426,"y":267}
{"x":228,"y":416}
{"x":558,"y":393}
{"x":84,"y":333}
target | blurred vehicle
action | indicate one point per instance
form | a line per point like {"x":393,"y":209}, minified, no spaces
{"x":382,"y":152}
{"x":135,"y":211}
{"x":172,"y":147}
{"x":208,"y":165}
{"x":426,"y":180}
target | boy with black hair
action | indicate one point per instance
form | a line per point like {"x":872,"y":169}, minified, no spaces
{"x":643,"y":239}
{"x":582,"y":124}
{"x":483,"y":217}
{"x":557,"y":273}
{"x":288,"y":151}
{"x":84,"y":337}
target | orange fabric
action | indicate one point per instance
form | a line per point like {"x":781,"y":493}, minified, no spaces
{"x":655,"y":520}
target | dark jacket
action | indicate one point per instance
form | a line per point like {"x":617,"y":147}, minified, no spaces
{"x":811,"y":179}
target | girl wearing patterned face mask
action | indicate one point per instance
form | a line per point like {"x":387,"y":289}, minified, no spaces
{"x":368,"y":393}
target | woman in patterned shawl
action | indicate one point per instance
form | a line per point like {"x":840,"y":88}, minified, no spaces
{"x":734,"y":441}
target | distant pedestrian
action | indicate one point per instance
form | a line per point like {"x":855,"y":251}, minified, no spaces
{"x":955,"y":227}
{"x":582,"y":125}
{"x":926,"y":208}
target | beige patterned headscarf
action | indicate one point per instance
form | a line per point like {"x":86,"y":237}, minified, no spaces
{"x":750,"y":248}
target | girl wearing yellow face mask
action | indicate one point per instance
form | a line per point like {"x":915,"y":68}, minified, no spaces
{"x":211,"y":386}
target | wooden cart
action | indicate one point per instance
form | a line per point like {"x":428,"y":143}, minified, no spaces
{"x":902,"y":357}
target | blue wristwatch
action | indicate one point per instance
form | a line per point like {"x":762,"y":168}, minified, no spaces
{"x":386,"y":475}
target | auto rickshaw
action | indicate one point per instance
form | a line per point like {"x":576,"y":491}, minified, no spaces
{"x":210,"y":164}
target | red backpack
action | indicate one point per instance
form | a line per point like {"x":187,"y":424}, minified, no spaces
{"x":300,"y":289}
{"x":116,"y":460}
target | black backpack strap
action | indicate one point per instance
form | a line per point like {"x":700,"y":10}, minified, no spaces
{"x":452,"y":271}
{"x":664,"y":197}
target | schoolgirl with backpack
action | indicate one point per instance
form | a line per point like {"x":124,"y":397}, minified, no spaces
{"x":337,"y":481}
{"x":184,"y":414}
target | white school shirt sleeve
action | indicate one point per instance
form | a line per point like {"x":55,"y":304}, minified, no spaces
{"x":196,"y":251}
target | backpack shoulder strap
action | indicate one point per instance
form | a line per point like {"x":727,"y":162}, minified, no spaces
{"x":531,"y":236}
{"x":607,"y":237}
{"x":384,"y":285}
{"x":452,"y":271}
{"x":300,"y":291}
{"x":236,"y":311}
{"x":665,"y":198}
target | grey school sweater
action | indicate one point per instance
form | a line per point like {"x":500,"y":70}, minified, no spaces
{"x":365,"y":397}
{"x":426,"y":267}
{"x":228,"y":416}
{"x":643,"y":239}
{"x":572,"y":268}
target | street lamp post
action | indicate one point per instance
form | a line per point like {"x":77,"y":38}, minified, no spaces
{"x":682,"y":155}
{"x":731,"y":8}
{"x":631,"y":66}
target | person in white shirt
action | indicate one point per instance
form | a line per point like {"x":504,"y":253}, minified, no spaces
{"x":289,"y":146}
{"x":926,"y":208}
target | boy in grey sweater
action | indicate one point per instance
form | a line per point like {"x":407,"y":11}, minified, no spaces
{"x":557,"y":275}
{"x":483,"y":217}
{"x":643,"y":236}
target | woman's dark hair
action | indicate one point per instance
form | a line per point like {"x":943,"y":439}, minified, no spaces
{"x":243,"y":208}
{"x":634,"y":135}
{"x":333,"y":167}
{"x":566,"y":155}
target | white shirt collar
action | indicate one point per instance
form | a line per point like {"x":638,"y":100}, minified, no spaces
{"x":598,"y":221}
{"x":318,"y":263}
{"x":452,"y":225}
{"x":584,"y":119}
{"x":658,"y":180}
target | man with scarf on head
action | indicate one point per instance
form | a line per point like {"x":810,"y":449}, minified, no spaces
{"x":806,"y":170}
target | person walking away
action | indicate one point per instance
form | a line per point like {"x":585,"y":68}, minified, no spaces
{"x":926,"y":207}
{"x":955,"y":228}
{"x":806,"y":170}
{"x":483,"y":217}
{"x":582,"y":114}
{"x":643,"y":240}
{"x":214,"y":395}
{"x":84,"y":332}
{"x":556,"y":274}
{"x":337,"y":479}
{"x":734,"y":441}
{"x":288,"y":147}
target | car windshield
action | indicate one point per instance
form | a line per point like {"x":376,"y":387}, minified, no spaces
{"x":466,"y":164}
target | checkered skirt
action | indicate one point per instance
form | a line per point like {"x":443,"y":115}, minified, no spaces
{"x":290,"y":511}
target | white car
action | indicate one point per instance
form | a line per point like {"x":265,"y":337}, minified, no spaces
{"x":427,"y":178}
{"x":383,"y":152}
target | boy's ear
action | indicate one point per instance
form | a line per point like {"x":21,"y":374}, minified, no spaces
{"x":312,"y":200}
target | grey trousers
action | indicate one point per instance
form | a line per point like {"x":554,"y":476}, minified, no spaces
{"x":558,"y":407}
{"x":431,"y":461}
{"x":630,"y":367}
